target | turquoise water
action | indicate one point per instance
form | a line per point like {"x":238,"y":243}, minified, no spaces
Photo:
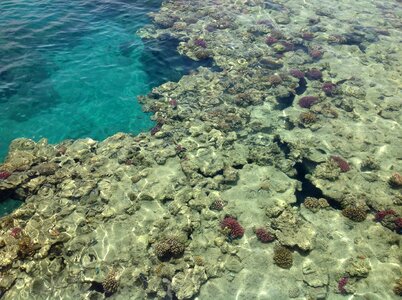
{"x":73,"y":69}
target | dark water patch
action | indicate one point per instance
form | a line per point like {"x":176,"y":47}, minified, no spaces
{"x":8,"y":205}
{"x":302,"y":87}
{"x":308,"y":188}
{"x":285,"y":102}
{"x":282,"y":145}
{"x":163,"y":63}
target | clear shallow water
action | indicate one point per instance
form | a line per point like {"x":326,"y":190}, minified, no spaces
{"x":73,"y":69}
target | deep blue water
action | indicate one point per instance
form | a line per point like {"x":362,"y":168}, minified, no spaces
{"x":73,"y":69}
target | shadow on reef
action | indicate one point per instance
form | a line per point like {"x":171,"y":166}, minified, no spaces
{"x":308,"y":189}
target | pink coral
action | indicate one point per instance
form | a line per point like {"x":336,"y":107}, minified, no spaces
{"x":342,"y":283}
{"x":263,"y":235}
{"x":315,"y":53}
{"x":308,"y":101}
{"x":270,"y":40}
{"x":380,"y":215}
{"x":342,"y":164}
{"x":4,"y":175}
{"x":296,"y":73}
{"x":236,"y":230}
{"x":16,"y":232}
{"x":314,"y":74}
{"x":328,"y":88}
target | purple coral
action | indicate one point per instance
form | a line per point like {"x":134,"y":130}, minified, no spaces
{"x":296,"y":73}
{"x":380,"y":215}
{"x":156,"y":129}
{"x":4,"y":175}
{"x":315,"y":53}
{"x":200,"y":43}
{"x":328,"y":88}
{"x":314,"y":74}
{"x":342,"y":164}
{"x":263,"y":235}
{"x":235,"y":229}
{"x":342,"y":283}
{"x":308,"y":101}
{"x":270,"y":40}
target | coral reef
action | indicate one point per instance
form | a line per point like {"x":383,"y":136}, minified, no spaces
{"x":355,"y":213}
{"x":342,"y":282}
{"x":263,"y":235}
{"x":398,"y":287}
{"x":342,"y":164}
{"x":232,"y":227}
{"x":315,"y":204}
{"x":169,"y":247}
{"x":110,"y":284}
{"x":307,"y":101}
{"x":313,"y":74}
{"x":26,"y":247}
{"x":229,"y":140}
{"x":283,"y":257}
{"x":395,"y":180}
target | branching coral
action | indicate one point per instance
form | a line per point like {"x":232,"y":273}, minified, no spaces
{"x":233,"y":228}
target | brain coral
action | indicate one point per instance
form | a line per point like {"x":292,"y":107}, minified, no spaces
{"x":283,"y":257}
{"x":169,"y":247}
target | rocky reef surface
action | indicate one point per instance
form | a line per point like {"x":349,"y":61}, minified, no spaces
{"x":274,"y":175}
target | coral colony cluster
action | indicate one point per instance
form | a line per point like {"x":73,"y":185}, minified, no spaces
{"x":342,"y":164}
{"x":263,"y":235}
{"x":4,"y":175}
{"x":233,"y":227}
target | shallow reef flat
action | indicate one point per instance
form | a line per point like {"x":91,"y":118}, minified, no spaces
{"x":276,"y":174}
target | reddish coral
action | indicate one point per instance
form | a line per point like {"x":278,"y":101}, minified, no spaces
{"x":342,"y":283}
{"x":342,"y":164}
{"x":314,"y":74}
{"x":200,"y":43}
{"x":270,"y":40}
{"x":16,"y":232}
{"x":289,"y":46}
{"x":328,"y":88}
{"x":156,"y":129}
{"x":236,"y":230}
{"x":173,"y":103}
{"x":380,"y":215}
{"x":307,"y":101}
{"x":296,"y":73}
{"x":4,"y":175}
{"x":263,"y":235}
{"x":307,"y":36}
{"x":315,"y":53}
{"x":395,"y":180}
